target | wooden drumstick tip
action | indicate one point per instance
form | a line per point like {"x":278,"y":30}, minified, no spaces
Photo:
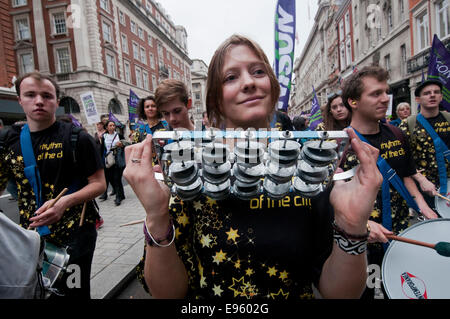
{"x":443,"y":197}
{"x":82,"y":214}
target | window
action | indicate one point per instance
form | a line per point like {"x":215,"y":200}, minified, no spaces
{"x":138,"y":76}
{"x":401,"y":9}
{"x":141,"y":33}
{"x":114,"y":106}
{"x":403,"y":57}
{"x":342,"y":56}
{"x":18,"y":3}
{"x":135,"y":50}
{"x":133,"y":27}
{"x":355,"y":15}
{"x":107,"y":36}
{"x":145,"y":80}
{"x":387,"y":62}
{"x":347,"y":23}
{"x":63,"y":60}
{"x":26,"y":63}
{"x":422,"y":31}
{"x":104,"y":4}
{"x":127,"y":72}
{"x":125,"y":44}
{"x":150,"y":42}
{"x":154,"y":83}
{"x":22,"y":28}
{"x":341,"y":30}
{"x":152,"y":61}
{"x":110,"y":65}
{"x":121,"y":17}
{"x":148,"y":5}
{"x":390,"y":23}
{"x":442,"y":18}
{"x":59,"y":23}
{"x":143,"y":56}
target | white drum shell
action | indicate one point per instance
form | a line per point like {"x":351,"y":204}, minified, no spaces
{"x":443,"y":206}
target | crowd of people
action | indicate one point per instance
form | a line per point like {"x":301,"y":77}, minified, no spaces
{"x":205,"y":248}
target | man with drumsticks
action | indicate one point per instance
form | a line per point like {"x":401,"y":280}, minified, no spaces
{"x":424,"y":132}
{"x":365,"y":94}
{"x":41,"y":159}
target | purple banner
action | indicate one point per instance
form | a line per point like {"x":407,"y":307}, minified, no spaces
{"x":132,"y":106}
{"x":439,"y":69}
{"x":284,"y":48}
{"x":316,"y":115}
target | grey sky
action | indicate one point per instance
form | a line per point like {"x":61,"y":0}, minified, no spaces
{"x":209,"y":22}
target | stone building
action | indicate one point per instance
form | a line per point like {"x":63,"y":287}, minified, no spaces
{"x":105,"y":47}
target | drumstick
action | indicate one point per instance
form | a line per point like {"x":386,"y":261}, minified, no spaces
{"x":140,"y":221}
{"x":56,"y":199}
{"x":82,"y":214}
{"x":442,"y":247}
{"x":443,"y":197}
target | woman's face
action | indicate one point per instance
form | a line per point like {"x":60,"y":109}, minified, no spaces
{"x":338,"y":109}
{"x":150,"y":109}
{"x":246,"y":88}
{"x":404,"y":112}
{"x":111,"y":127}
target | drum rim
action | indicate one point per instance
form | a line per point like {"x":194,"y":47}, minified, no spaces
{"x":383,"y":264}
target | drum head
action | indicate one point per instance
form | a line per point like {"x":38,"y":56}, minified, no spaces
{"x":416,"y":272}
{"x":443,"y":206}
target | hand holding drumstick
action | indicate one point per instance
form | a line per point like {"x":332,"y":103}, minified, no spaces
{"x":40,"y":219}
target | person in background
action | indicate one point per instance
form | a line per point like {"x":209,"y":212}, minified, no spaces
{"x":148,"y":112}
{"x":403,"y":111}
{"x":335,"y":115}
{"x":111,"y":143}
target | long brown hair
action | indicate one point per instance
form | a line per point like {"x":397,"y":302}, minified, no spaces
{"x":329,"y":121}
{"x":214,"y":84}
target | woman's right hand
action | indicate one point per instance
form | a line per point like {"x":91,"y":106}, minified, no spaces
{"x":139,"y":172}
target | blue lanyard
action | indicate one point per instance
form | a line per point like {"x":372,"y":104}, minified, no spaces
{"x":442,"y":153}
{"x":31,"y":171}
{"x":390,"y":176}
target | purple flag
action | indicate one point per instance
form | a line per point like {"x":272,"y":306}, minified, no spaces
{"x":439,"y":69}
{"x":132,"y":106}
{"x":75,"y":121}
{"x":284,"y":48}
{"x":316,"y":115}
{"x":115,"y":120}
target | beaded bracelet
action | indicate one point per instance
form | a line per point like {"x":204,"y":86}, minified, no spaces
{"x":351,"y":244}
{"x":157,"y":242}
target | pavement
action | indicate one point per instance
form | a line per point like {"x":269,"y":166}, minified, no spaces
{"x":119,"y":249}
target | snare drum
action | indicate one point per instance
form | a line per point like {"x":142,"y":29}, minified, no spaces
{"x":54,"y":264}
{"x":442,"y":206}
{"x":415,"y":272}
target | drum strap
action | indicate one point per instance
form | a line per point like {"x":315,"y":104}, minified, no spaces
{"x":31,"y":171}
{"x":390,"y":177}
{"x":442,"y":153}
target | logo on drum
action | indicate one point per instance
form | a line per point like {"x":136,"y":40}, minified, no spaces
{"x":413,"y":287}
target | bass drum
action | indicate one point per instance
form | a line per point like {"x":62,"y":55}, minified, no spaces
{"x":416,"y":272}
{"x":442,"y":206}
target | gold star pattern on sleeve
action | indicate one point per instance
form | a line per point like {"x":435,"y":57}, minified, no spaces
{"x":232,"y":234}
{"x":217,"y":291}
{"x":219,"y":257}
{"x":283,"y":275}
{"x":272,"y":271}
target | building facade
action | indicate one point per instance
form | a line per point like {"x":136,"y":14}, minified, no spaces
{"x":199,"y":75}
{"x":105,"y":47}
{"x":396,"y":35}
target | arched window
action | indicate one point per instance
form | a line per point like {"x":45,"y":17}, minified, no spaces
{"x":114,"y":106}
{"x":70,"y":105}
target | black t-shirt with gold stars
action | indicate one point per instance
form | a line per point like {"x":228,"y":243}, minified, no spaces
{"x":396,"y":151}
{"x":261,"y":248}
{"x":53,"y":151}
{"x":423,"y":148}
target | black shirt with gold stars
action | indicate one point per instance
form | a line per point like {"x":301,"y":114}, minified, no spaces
{"x":261,"y":248}
{"x":423,"y":148}
{"x":53,"y":151}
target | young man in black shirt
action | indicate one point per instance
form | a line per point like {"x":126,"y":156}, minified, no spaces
{"x":59,"y":167}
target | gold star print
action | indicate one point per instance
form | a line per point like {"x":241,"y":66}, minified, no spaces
{"x":177,"y":232}
{"x":171,"y":201}
{"x":232,"y":234}
{"x":285,"y":295}
{"x":249,"y":272}
{"x":19,"y":158}
{"x":238,"y":283}
{"x":197,"y":205}
{"x":219,"y":257}
{"x":237,"y":264}
{"x":272,"y":271}
{"x":183,"y":219}
{"x":375,"y":214}
{"x":211,"y":201}
{"x":283,"y":275}
{"x":217,"y":291}
{"x":205,"y":241}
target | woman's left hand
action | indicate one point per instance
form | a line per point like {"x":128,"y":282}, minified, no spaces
{"x":353,"y":200}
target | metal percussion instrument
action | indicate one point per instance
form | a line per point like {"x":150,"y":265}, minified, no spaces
{"x":416,"y":272}
{"x":269,"y":162}
{"x":442,"y":206}
{"x":54,"y":265}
